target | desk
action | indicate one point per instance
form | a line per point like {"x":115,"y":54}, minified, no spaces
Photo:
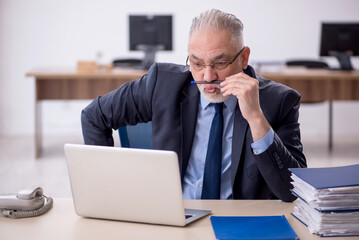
{"x":315,"y":85}
{"x":68,"y":84}
{"x":61,"y":222}
{"x":318,"y":85}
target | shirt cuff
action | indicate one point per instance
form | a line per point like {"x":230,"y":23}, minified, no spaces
{"x":262,"y":144}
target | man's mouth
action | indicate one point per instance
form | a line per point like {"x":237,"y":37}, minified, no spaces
{"x":211,"y":89}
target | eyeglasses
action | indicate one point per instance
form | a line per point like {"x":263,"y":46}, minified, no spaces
{"x":220,"y":65}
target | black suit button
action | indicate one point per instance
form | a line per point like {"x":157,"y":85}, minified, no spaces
{"x":281,"y":166}
{"x":276,"y":156}
{"x":279,"y":162}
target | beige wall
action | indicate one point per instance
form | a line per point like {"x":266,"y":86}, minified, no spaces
{"x":49,"y":33}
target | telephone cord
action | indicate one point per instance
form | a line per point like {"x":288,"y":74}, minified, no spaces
{"x":30,"y":213}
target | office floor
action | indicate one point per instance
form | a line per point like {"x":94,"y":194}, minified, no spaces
{"x":19,"y":169}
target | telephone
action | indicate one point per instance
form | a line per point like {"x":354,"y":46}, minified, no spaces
{"x":27,"y":203}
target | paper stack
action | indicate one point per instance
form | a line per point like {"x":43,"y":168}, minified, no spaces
{"x":328,"y":199}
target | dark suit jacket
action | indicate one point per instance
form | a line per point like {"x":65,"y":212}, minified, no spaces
{"x":166,"y":97}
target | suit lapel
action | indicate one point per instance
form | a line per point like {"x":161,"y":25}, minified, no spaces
{"x":240,"y":128}
{"x":189,"y":109}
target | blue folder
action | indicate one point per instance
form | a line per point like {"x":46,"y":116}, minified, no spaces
{"x":253,"y":228}
{"x":329,"y":177}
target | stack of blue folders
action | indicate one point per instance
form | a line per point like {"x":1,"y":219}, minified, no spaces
{"x":328,"y":199}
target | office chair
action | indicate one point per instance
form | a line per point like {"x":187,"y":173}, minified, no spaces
{"x":127,"y":62}
{"x":307,"y":63}
{"x":137,"y":136}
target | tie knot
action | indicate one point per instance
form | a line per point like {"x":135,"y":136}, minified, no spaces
{"x":218,"y":107}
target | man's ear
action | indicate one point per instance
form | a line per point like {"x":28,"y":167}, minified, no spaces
{"x":245,"y":57}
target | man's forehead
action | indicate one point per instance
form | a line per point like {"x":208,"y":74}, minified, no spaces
{"x":210,"y":44}
{"x":209,"y":37}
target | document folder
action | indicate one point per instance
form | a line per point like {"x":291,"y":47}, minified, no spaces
{"x":253,"y":228}
{"x":329,"y":177}
{"x":328,"y":201}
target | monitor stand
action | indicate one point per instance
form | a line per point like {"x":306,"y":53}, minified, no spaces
{"x":344,"y":60}
{"x":150,"y":55}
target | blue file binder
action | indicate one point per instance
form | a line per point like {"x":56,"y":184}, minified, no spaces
{"x":328,"y":199}
{"x":329,"y":177}
{"x":253,"y":228}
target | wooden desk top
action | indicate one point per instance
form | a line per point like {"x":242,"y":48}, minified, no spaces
{"x":284,"y":73}
{"x":61,"y":222}
{"x":72,"y":73}
{"x":277,"y":73}
{"x":315,"y":85}
{"x":69,"y":84}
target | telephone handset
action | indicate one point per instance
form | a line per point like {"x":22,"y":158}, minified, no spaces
{"x":27,"y":203}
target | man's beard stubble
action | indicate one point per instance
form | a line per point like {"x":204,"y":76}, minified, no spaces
{"x":212,"y":97}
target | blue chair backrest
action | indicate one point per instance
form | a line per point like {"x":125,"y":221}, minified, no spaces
{"x":137,"y":136}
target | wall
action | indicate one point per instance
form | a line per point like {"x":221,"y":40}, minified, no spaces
{"x":49,"y":33}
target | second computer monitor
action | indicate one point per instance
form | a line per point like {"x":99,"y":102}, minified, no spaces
{"x":340,"y":40}
{"x":150,"y":33}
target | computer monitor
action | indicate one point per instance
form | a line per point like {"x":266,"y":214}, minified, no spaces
{"x":150,"y":33}
{"x":340,"y":40}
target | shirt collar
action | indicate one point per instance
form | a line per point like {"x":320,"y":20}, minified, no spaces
{"x":230,"y":103}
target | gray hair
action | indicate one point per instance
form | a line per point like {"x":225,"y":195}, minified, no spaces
{"x":215,"y":20}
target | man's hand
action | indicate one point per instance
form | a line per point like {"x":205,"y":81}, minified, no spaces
{"x":246,"y":89}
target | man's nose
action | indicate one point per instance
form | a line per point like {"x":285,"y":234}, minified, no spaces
{"x":209,"y":74}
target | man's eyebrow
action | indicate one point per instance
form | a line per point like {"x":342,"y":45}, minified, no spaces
{"x":222,"y":55}
{"x":195,"y":57}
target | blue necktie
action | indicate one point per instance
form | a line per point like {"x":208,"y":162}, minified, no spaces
{"x":212,"y":170}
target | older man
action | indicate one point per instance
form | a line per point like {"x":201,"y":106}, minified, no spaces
{"x":235,"y":133}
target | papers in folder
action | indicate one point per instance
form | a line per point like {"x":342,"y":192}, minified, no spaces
{"x":328,"y":199}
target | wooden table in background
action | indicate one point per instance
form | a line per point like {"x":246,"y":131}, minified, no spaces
{"x":318,"y":85}
{"x":68,"y":84}
{"x":315,"y":85}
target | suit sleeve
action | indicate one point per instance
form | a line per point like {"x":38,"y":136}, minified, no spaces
{"x":286,"y":151}
{"x":128,"y":105}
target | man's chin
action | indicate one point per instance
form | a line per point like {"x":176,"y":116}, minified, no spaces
{"x":214,"y":98}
